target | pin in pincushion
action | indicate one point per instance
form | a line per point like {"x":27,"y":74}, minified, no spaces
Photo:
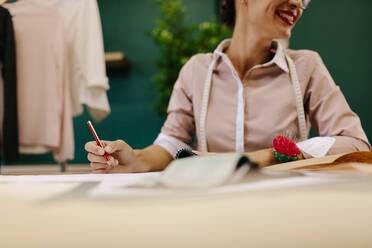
{"x":285,"y":150}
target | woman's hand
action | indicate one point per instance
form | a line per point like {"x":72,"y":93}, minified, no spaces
{"x":262,"y":157}
{"x":122,"y":158}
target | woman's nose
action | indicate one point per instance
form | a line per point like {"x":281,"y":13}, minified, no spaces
{"x":295,"y":3}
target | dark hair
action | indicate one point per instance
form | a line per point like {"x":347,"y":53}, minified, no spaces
{"x":228,"y":13}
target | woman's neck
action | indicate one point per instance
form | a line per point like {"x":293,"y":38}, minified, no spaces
{"x":248,"y":49}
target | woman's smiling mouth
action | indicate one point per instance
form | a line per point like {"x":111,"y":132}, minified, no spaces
{"x":286,"y":16}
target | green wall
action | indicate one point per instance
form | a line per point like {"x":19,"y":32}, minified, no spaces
{"x":339,"y":30}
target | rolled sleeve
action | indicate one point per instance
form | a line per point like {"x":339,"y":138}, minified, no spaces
{"x":179,"y":128}
{"x":170,"y":144}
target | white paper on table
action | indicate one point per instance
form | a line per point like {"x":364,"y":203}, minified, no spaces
{"x":74,"y":178}
{"x":124,"y":185}
{"x":42,"y":187}
{"x":268,"y":180}
{"x":39,"y":187}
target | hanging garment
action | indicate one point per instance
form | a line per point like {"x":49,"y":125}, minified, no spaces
{"x":88,"y":80}
{"x":45,"y":122}
{"x":9,"y":124}
{"x":1,"y":108}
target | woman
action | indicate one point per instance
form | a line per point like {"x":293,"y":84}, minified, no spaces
{"x":244,"y":94}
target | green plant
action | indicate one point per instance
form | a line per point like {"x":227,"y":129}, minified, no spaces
{"x":179,"y":41}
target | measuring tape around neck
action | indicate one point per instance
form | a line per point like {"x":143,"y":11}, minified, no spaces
{"x":202,"y":139}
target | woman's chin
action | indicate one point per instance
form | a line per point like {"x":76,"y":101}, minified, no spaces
{"x":285,"y":35}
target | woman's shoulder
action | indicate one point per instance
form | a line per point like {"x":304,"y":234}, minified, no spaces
{"x":306,"y":60}
{"x":303,"y":55}
{"x":198,"y":63}
{"x":195,"y":67}
{"x":201,"y":59}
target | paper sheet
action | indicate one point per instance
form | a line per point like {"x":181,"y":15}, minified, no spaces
{"x":75,"y":178}
{"x":42,"y":187}
{"x":266,"y":180}
{"x":124,"y":185}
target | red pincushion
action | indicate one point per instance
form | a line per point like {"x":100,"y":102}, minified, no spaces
{"x":285,"y":146}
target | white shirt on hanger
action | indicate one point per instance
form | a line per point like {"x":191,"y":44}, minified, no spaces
{"x":88,"y":80}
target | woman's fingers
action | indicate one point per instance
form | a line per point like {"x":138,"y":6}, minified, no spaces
{"x":118,"y":152}
{"x":114,"y":146}
{"x":98,"y":162}
{"x":122,"y":151}
{"x":96,"y":158}
{"x":100,"y":166}
{"x":92,"y":147}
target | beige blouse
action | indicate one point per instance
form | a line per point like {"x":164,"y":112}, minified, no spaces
{"x":260,"y":107}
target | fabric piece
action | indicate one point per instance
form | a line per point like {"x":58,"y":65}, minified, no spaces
{"x":45,"y":122}
{"x":9,"y":122}
{"x":269,"y":103}
{"x":88,"y":80}
{"x":202,"y":171}
{"x":316,"y":147}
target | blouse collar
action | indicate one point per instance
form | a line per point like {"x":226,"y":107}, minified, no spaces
{"x":278,"y":59}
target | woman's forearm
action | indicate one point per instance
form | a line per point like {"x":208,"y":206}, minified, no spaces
{"x":156,"y":158}
{"x":153,"y":158}
{"x":262,"y":157}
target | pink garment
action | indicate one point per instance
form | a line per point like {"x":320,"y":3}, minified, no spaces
{"x":45,"y":122}
{"x":268,"y":101}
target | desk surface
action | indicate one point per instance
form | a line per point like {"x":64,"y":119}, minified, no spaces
{"x":44,"y":169}
{"x":332,"y":215}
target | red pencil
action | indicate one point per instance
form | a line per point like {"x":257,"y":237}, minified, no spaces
{"x":97,"y":139}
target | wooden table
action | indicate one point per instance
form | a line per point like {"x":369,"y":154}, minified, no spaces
{"x":336,"y":215}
